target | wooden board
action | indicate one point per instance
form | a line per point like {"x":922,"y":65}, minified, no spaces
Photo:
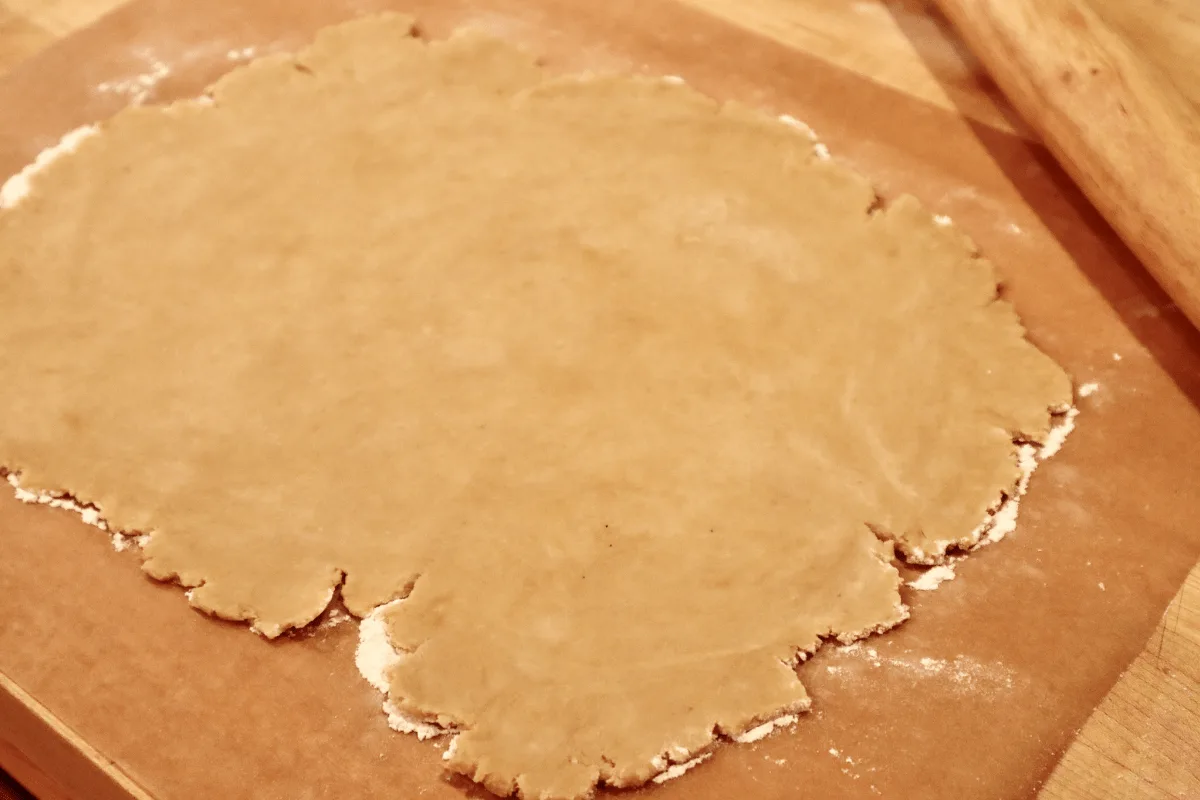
{"x":1114,"y":120}
{"x":904,"y":48}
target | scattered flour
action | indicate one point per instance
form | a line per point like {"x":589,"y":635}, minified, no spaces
{"x":675,"y":770}
{"x":138,"y":88}
{"x":789,"y":120}
{"x":1116,"y":356}
{"x":1001,"y":518}
{"x":403,"y":723}
{"x":17,"y":187}
{"x":792,"y":122}
{"x":933,"y":577}
{"x":375,"y":658}
{"x":1004,"y":521}
{"x":1088,"y":389}
{"x":848,"y":763}
{"x":942,"y":220}
{"x":336,"y":617}
{"x":760,"y":732}
{"x":1058,"y":435}
{"x":963,"y":673}
{"x":120,"y":541}
{"x":90,"y":515}
{"x":241,"y":54}
{"x":819,"y":148}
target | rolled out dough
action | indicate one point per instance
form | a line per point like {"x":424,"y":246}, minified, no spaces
{"x":631,"y":392}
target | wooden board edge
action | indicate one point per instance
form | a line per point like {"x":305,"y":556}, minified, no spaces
{"x":66,"y":767}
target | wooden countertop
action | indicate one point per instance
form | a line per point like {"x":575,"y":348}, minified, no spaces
{"x":1142,"y":741}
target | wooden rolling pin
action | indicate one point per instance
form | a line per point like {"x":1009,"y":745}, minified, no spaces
{"x":1117,"y":125}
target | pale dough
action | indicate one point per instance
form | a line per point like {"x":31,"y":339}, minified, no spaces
{"x":620,"y":379}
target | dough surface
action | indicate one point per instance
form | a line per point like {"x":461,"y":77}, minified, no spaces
{"x":629,"y":393}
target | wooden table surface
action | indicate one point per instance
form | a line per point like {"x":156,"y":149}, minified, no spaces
{"x":1144,"y":739}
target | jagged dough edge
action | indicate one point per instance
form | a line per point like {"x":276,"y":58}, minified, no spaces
{"x":375,"y":664}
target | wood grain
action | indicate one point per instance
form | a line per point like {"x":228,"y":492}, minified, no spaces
{"x":1164,"y":33}
{"x":60,"y":17}
{"x":898,"y":43}
{"x":1142,"y":741}
{"x":1116,"y":124}
{"x":61,"y":773}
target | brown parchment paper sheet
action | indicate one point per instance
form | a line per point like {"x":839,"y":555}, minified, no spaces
{"x":189,"y":707}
